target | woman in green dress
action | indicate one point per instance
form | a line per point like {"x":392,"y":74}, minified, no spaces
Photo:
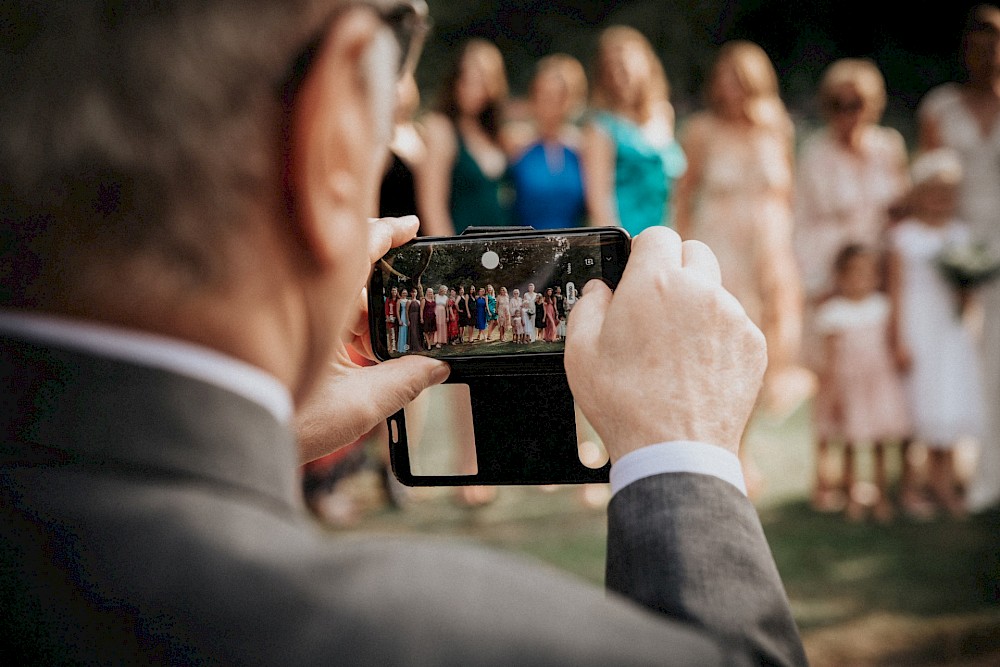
{"x":464,"y":173}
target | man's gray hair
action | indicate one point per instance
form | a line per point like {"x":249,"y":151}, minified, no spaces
{"x":137,"y":129}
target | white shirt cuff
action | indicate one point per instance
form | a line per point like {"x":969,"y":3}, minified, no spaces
{"x":677,"y":456}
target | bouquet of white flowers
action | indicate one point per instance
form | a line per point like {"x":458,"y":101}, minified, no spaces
{"x":969,"y":265}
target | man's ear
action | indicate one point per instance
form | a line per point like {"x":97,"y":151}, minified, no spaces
{"x":333,"y":138}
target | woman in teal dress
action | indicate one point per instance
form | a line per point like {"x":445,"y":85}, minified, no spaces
{"x":491,"y":311}
{"x":630,"y":156}
{"x":463,"y":183}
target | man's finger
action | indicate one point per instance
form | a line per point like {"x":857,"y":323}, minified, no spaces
{"x":654,"y":250}
{"x":386,"y":233}
{"x":587,"y":317}
{"x":392,"y":385}
{"x":352,"y":401}
{"x":699,"y":258}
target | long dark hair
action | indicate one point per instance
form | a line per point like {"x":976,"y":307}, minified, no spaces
{"x":491,"y":116}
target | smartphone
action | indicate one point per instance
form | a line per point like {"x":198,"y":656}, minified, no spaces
{"x":501,"y":294}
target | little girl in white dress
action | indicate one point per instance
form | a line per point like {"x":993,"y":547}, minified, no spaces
{"x":943,"y":383}
{"x":860,"y":402}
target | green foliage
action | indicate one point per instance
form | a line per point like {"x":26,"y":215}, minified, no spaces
{"x":802,"y":38}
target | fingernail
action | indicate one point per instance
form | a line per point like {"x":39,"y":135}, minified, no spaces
{"x":440,"y":373}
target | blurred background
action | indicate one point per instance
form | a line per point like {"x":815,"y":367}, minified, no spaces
{"x":907,"y":591}
{"x":915,"y":45}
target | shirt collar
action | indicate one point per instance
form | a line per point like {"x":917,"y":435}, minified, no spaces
{"x":169,"y":354}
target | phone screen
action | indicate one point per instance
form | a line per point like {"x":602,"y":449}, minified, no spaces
{"x":505,"y":294}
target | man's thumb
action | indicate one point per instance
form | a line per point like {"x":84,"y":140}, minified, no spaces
{"x":395,"y":383}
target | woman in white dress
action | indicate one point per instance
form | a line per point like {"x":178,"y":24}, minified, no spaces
{"x":966,"y":118}
{"x":517,"y":319}
{"x":441,"y":312}
{"x":849,"y":173}
{"x":528,"y":315}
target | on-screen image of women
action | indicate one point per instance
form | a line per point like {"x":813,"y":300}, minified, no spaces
{"x":414,"y":313}
{"x":429,"y":318}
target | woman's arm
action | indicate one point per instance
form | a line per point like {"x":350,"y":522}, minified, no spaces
{"x":597,"y":156}
{"x":434,"y":183}
{"x":893,"y":281}
{"x":928,"y":133}
{"x":693,"y":143}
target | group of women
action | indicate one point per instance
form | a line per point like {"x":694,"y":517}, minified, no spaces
{"x":728,"y":181}
{"x":453,"y":317}
{"x":732,"y":177}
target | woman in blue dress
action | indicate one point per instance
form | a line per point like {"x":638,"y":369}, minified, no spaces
{"x":480,"y":313}
{"x":546,"y":176}
{"x":630,"y":156}
{"x":404,"y":323}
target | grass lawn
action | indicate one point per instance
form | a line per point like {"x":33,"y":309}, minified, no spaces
{"x":863,"y":594}
{"x":493,"y":346}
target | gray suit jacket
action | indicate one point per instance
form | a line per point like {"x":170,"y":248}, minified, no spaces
{"x":148,"y":517}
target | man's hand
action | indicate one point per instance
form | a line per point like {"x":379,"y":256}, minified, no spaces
{"x":356,"y":396}
{"x":670,"y":355}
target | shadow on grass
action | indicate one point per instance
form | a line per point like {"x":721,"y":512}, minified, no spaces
{"x":836,"y":571}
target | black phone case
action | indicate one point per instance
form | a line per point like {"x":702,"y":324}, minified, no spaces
{"x":514,"y":445}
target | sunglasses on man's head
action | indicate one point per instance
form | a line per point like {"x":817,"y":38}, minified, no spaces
{"x":409,"y":21}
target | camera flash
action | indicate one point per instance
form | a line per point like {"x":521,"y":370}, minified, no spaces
{"x":491,"y":260}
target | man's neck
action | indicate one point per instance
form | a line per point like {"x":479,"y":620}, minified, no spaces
{"x":154,"y":350}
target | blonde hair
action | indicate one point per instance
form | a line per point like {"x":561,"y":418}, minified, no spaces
{"x":653,"y":95}
{"x":569,"y":69}
{"x":755,"y":73}
{"x":864,"y":76}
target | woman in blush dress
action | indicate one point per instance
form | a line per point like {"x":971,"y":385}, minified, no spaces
{"x":454,"y":335}
{"x":404,"y":322}
{"x":630,"y":157}
{"x":414,"y":315}
{"x":503,"y":312}
{"x":966,"y":117}
{"x":551,"y":319}
{"x":441,"y":316}
{"x":428,"y":318}
{"x":737,"y":197}
{"x":480,"y":313}
{"x":517,"y":319}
